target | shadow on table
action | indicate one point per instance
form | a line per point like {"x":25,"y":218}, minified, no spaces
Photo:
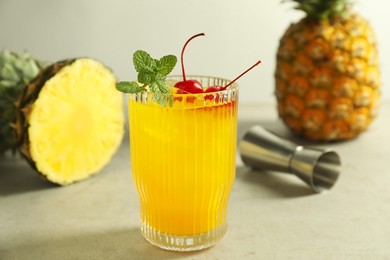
{"x":112,"y":244}
{"x":16,"y":176}
{"x":276,"y":184}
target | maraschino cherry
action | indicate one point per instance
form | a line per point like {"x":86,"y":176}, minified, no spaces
{"x":191,"y":85}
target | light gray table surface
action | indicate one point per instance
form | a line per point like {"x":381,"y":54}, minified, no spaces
{"x":271,"y":215}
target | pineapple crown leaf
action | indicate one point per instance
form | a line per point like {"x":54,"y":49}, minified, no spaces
{"x":18,"y":68}
{"x":322,"y":9}
{"x":16,"y":71}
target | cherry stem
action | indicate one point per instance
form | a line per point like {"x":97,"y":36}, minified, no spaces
{"x":242,"y":74}
{"x":182,"y":54}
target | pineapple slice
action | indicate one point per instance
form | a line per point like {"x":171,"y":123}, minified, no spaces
{"x":71,"y":120}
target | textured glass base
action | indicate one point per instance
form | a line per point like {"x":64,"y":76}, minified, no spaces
{"x":183,"y":243}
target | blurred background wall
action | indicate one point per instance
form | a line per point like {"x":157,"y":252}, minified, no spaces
{"x":238,"y":32}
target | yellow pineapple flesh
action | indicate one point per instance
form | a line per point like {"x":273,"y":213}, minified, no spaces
{"x":327,"y":76}
{"x":71,"y":120}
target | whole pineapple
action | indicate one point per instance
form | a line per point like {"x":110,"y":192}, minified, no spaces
{"x":67,"y":119}
{"x":327,"y":74}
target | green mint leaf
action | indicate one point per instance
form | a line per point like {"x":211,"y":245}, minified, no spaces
{"x":166,"y":64}
{"x":160,"y":99}
{"x":154,"y":88}
{"x":129,"y":87}
{"x":157,"y":63}
{"x":151,"y":73}
{"x":162,"y":87}
{"x":146,"y":77}
{"x":161,"y":93}
{"x":143,"y":62}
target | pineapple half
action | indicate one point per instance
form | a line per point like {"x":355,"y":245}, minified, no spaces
{"x":327,"y":74}
{"x":69,"y":120}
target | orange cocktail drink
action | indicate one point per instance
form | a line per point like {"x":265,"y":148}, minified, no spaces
{"x":183,"y":155}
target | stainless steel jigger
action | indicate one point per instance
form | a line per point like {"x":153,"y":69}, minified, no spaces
{"x":263,"y":150}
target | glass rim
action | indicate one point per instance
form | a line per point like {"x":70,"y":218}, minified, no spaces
{"x":232,"y":87}
{"x":191,"y":76}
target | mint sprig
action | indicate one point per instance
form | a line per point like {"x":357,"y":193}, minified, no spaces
{"x":151,"y":76}
{"x":129,"y":87}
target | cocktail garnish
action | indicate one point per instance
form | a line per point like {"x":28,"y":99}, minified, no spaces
{"x":151,"y":75}
{"x":188,"y":86}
